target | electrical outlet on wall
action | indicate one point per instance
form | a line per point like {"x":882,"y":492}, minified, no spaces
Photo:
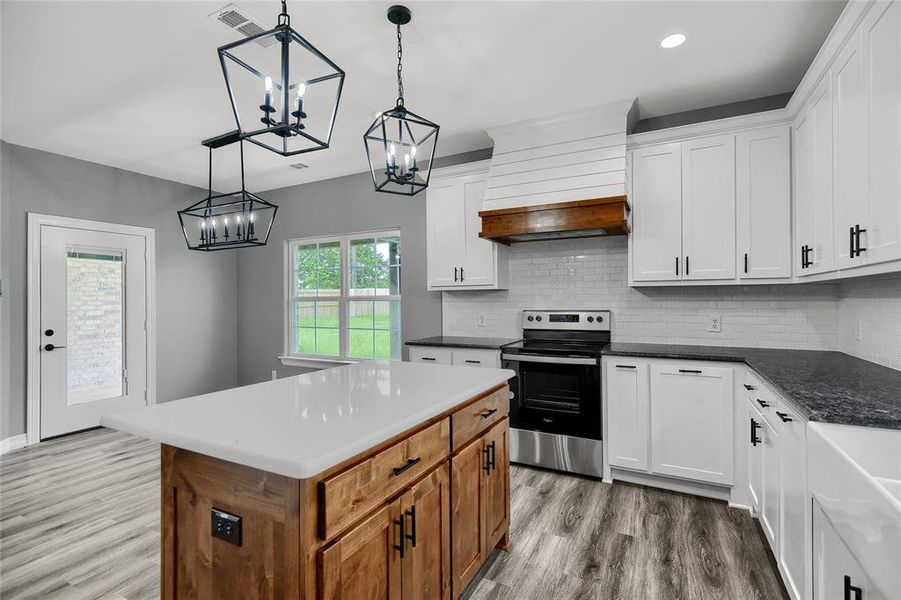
{"x":480,"y":321}
{"x":715,"y":323}
{"x":858,"y":331}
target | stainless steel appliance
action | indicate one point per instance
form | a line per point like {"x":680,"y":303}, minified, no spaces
{"x":555,"y":398}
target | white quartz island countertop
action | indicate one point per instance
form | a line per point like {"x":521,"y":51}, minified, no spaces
{"x":303,"y":425}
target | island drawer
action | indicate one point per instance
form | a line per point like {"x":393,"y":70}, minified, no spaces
{"x":478,"y":416}
{"x":347,"y":496}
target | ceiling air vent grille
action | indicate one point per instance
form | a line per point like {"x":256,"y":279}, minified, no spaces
{"x":238,"y":20}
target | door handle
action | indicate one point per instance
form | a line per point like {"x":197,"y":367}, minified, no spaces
{"x":412,"y":536}
{"x":858,"y":592}
{"x":51,"y":347}
{"x":402,"y":523}
{"x":408,"y":465}
{"x":754,"y":427}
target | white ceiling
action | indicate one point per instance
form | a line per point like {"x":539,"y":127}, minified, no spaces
{"x":137,"y":85}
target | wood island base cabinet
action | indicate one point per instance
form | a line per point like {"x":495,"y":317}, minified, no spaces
{"x":413,"y":518}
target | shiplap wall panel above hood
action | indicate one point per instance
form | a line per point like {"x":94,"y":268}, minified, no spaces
{"x":578,"y":155}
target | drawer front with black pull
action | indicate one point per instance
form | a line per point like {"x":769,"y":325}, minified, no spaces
{"x":348,"y":495}
{"x":471,"y":420}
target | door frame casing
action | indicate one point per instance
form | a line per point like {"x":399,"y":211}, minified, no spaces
{"x":33,"y":320}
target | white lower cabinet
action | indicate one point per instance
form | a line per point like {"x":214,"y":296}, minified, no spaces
{"x":627,"y":407}
{"x":467,"y":357}
{"x":769,"y":493}
{"x":691,"y":421}
{"x":794,"y":502}
{"x":754,"y":457}
{"x":836,"y":572}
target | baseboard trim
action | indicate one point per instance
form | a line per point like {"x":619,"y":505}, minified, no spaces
{"x":13,"y":443}
{"x":695,"y":488}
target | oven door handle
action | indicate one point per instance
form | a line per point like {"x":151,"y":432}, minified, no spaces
{"x":560,"y":360}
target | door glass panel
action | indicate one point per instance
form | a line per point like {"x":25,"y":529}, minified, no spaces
{"x":95,"y":314}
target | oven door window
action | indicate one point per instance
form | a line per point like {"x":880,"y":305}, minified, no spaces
{"x":558,"y":398}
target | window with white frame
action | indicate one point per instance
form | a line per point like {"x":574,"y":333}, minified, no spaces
{"x":344,"y":296}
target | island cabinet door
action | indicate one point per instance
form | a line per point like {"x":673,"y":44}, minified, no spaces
{"x":467,"y":514}
{"x":426,"y":562}
{"x":366,"y":561}
{"x":497,"y":484}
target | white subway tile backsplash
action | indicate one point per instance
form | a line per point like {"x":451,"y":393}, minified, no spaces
{"x":591,"y":274}
{"x":873,"y":304}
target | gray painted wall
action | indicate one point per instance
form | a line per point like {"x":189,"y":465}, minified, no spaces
{"x":334,"y":206}
{"x":196,"y":300}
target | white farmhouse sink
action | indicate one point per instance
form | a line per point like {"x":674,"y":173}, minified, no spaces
{"x":855,"y":475}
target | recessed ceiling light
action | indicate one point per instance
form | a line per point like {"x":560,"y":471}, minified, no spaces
{"x":673,"y":41}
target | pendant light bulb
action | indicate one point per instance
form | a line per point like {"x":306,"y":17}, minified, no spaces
{"x":267,"y":84}
{"x":413,"y":151}
{"x":301,"y":89}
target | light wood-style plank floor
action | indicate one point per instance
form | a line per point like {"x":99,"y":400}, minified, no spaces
{"x":79,"y":518}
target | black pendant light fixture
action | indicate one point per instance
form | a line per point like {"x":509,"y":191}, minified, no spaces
{"x":227,"y":221}
{"x":400,"y":145}
{"x":284,"y":92}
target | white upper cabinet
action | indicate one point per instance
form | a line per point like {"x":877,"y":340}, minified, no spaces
{"x":813,"y":248}
{"x":763,"y":196}
{"x":656,"y":242}
{"x":708,"y":208}
{"x":457,"y":258}
{"x":851,"y":150}
{"x":882,"y":57}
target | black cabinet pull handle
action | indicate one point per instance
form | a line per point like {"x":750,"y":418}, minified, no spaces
{"x":857,"y":232}
{"x":408,"y":465}
{"x":690,"y":371}
{"x":762,"y":403}
{"x":455,"y":273}
{"x":403,"y":534}
{"x":461,"y":273}
{"x":625,"y":366}
{"x":804,"y":256}
{"x":687,"y":270}
{"x":487,"y":452}
{"x":474,"y":362}
{"x":784,"y":416}
{"x":488,"y":413}
{"x":492,"y":456}
{"x":412,"y":535}
{"x":51,"y":347}
{"x":754,"y":427}
{"x":858,"y":592}
{"x":809,"y":255}
{"x":750,"y":388}
{"x":677,"y":266}
{"x":427,"y":358}
{"x":746,"y":262}
{"x":851,"y":241}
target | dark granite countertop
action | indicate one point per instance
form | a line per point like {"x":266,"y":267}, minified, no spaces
{"x":456,"y":341}
{"x":830,"y":387}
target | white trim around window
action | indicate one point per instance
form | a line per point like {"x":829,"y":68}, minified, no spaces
{"x":319,"y":361}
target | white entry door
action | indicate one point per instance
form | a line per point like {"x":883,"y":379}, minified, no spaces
{"x":93,"y":316}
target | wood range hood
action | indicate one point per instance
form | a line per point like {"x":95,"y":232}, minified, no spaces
{"x":580,"y":218}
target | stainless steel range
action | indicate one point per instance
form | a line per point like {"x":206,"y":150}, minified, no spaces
{"x":555,"y":398}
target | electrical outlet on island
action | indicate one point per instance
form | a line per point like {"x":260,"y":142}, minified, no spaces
{"x":715,"y":323}
{"x":858,"y":331}
{"x":480,"y":321}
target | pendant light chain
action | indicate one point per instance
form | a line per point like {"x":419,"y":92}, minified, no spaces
{"x":283,"y":18}
{"x":400,"y":68}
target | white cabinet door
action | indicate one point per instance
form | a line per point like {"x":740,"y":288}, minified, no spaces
{"x":691,"y":421}
{"x":821,"y":205}
{"x":836,"y":572}
{"x":431,"y":355}
{"x":627,"y":413}
{"x":882,"y":48}
{"x":445,"y":232}
{"x":708,"y":208}
{"x":477,"y":265}
{"x":794,"y":502}
{"x":851,"y":149}
{"x":657,"y":213}
{"x":769,"y":496}
{"x":763,"y":195}
{"x":754,"y":424}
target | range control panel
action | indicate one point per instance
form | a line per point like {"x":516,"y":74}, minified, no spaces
{"x":580,"y":320}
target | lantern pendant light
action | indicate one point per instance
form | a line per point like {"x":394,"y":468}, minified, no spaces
{"x":227,"y":221}
{"x":400,"y":145}
{"x":284,"y":92}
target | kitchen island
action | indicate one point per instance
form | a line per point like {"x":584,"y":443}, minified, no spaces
{"x":375,"y":480}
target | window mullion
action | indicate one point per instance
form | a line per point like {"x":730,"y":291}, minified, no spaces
{"x":343,"y":315}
